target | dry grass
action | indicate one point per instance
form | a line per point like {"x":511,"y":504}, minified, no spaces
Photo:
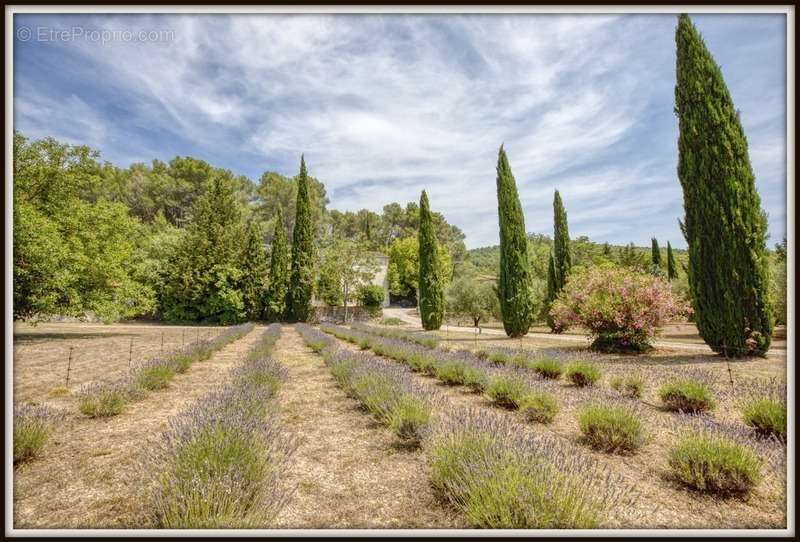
{"x":100,"y":353}
{"x":350,"y":471}
{"x":663,"y":503}
{"x":87,"y":476}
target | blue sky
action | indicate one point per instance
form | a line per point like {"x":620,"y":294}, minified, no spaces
{"x":384,"y":106}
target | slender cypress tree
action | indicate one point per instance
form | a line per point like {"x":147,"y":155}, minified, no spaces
{"x":672,"y":271}
{"x":561,"y":253}
{"x":655,"y":252}
{"x":253,"y":283}
{"x":431,"y":289}
{"x":551,"y":290}
{"x":301,"y":282}
{"x":275,"y":309}
{"x":514,"y":285}
{"x":724,"y":225}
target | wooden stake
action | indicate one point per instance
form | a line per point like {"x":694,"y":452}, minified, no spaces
{"x":69,"y":366}
{"x":183,"y":337}
{"x":162,"y":342}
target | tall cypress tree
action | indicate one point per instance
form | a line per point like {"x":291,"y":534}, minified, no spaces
{"x":551,"y":291}
{"x":301,"y":283}
{"x":672,"y":271}
{"x":514,"y":285}
{"x":253,"y":283}
{"x":655,"y":252}
{"x":431,"y":289}
{"x":561,"y":253}
{"x":275,"y":307}
{"x":724,"y":225}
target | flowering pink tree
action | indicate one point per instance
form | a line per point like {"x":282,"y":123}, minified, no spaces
{"x":622,"y":308}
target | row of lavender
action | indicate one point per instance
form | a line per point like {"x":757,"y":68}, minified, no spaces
{"x":110,"y":398}
{"x":33,"y":423}
{"x":713,"y":456}
{"x":761,"y":402}
{"x":485,"y":465}
{"x":221,"y":463}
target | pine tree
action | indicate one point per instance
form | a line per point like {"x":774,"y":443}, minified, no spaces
{"x":724,"y":225}
{"x":275,"y":307}
{"x":431,"y":289}
{"x":672,"y":271}
{"x":253,"y":283}
{"x":202,"y":276}
{"x":301,"y":283}
{"x":655,"y":252}
{"x":514,"y":285}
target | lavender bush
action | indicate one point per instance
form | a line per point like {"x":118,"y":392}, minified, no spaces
{"x":32,"y":425}
{"x":221,"y":463}
{"x":502,"y":478}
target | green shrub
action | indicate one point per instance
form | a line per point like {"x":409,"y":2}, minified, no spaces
{"x":715,"y":464}
{"x":104,"y":400}
{"x":548,"y":368}
{"x":630,"y":386}
{"x":766,"y":416}
{"x":409,"y":416}
{"x":154,"y":376}
{"x":506,"y":391}
{"x":393,"y":321}
{"x":450,"y":372}
{"x":196,"y":492}
{"x":515,"y":496}
{"x":582,"y":374}
{"x":539,"y":407}
{"x":422,"y":362}
{"x":371,"y":297}
{"x":611,"y":428}
{"x":498,"y":488}
{"x":377,"y":393}
{"x":182,"y":362}
{"x":32,"y":426}
{"x":475,"y":379}
{"x":686,"y":395}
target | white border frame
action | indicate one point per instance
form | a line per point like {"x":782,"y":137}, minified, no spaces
{"x":789,"y":11}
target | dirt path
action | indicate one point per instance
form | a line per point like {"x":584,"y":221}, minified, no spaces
{"x":87,"y":476}
{"x":663,"y":503}
{"x":348,"y":469}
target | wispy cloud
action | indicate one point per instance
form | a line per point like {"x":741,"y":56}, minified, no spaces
{"x":384,"y":106}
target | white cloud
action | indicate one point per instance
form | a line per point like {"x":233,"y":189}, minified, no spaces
{"x":384,"y":106}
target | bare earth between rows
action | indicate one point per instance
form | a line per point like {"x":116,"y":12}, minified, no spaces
{"x":349,"y":470}
{"x":87,"y":476}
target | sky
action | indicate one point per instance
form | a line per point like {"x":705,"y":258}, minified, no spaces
{"x":384,"y":106}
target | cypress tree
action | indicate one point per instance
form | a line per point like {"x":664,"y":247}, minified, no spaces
{"x":672,"y":271}
{"x":561,"y":254}
{"x":275,"y":308}
{"x":431,"y":289}
{"x":301,"y":282}
{"x":514,"y":285}
{"x":655,"y":252}
{"x":606,"y":250}
{"x":253,"y":283}
{"x":724,"y":225}
{"x":551,"y":290}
